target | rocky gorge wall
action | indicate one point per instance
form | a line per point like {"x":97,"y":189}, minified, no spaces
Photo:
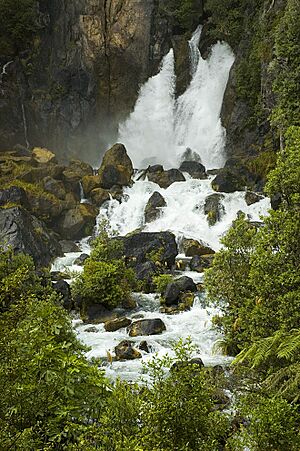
{"x":82,"y":74}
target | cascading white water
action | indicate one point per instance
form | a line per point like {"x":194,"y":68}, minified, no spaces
{"x":161,"y":128}
{"x":158,"y":131}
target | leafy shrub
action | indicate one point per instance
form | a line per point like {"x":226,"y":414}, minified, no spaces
{"x":162,"y":281}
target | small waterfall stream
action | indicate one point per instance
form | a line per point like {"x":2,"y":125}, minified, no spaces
{"x":158,"y":131}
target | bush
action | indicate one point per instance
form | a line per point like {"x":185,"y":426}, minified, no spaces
{"x":162,"y":281}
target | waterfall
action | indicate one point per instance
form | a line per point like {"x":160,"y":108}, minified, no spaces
{"x":161,"y":127}
{"x":3,"y":72}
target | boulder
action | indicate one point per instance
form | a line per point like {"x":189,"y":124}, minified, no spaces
{"x":143,"y":346}
{"x":81,"y":168}
{"x":200,"y":263}
{"x":44,"y":205}
{"x":92,"y":329}
{"x":196,"y":362}
{"x":153,"y":206}
{"x":63,"y":288}
{"x":125,"y":351}
{"x":194,"y":169}
{"x":227,"y":181}
{"x":116,"y":324}
{"x":116,"y":168}
{"x":25,"y":233}
{"x":252,"y":198}
{"x":81,"y":259}
{"x":155,"y":168}
{"x":159,"y":247}
{"x":99,"y":196}
{"x":96,"y":313}
{"x":89,"y":183}
{"x":213,"y":208}
{"x":165,"y":178}
{"x":193,"y":247}
{"x":146,"y":327}
{"x":144,"y":273}
{"x":77,"y":222}
{"x":174,"y":290}
{"x":55,"y":187}
{"x":68,"y":246}
{"x":14,"y":195}
{"x":43,"y":156}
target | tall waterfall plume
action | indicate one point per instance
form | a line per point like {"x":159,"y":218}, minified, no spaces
{"x":161,"y":127}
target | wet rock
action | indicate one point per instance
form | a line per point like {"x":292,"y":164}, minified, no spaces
{"x":125,"y":351}
{"x":252,"y":198}
{"x":96,"y":313}
{"x":43,"y":156}
{"x":153,"y":207}
{"x":145,"y":272}
{"x":25,"y":233}
{"x":81,"y":168}
{"x":194,"y":247}
{"x":159,"y":247}
{"x":165,"y":178}
{"x":143,"y":346}
{"x":14,"y":195}
{"x":146,"y":327}
{"x":174,"y":290}
{"x":55,"y":187}
{"x":91,"y":329}
{"x":43,"y":205}
{"x":213,"y":208}
{"x":68,"y":246}
{"x":99,"y":196}
{"x":194,"y":168}
{"x":116,"y":168}
{"x":81,"y":259}
{"x":227,"y":181}
{"x":116,"y":324}
{"x":155,"y":168}
{"x":89,"y":183}
{"x":63,"y":288}
{"x":77,"y":222}
{"x":201,"y":262}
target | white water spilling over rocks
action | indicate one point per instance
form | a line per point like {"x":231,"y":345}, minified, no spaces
{"x":158,"y":131}
{"x":161,"y":128}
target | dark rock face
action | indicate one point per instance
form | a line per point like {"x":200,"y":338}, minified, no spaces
{"x":55,"y":187}
{"x":116,"y":168}
{"x":174,"y":290}
{"x":252,"y":198}
{"x":62,"y":287}
{"x":227,"y":182}
{"x":145,"y":272}
{"x":97,"y":313}
{"x":190,"y":155}
{"x":14,"y":195}
{"x":165,"y":178}
{"x":152,"y":209}
{"x":77,"y":222}
{"x":146,"y":327}
{"x":213,"y":208}
{"x":99,"y":196}
{"x":194,"y":168}
{"x":125,"y":351}
{"x":116,"y":324}
{"x":143,"y":246}
{"x":100,"y":53}
{"x":25,"y":233}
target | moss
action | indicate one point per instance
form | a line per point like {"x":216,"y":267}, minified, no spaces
{"x":262,"y":164}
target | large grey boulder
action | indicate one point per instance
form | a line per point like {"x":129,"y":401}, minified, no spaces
{"x":116,"y":168}
{"x":146,"y":327}
{"x":25,"y":233}
{"x":153,"y":207}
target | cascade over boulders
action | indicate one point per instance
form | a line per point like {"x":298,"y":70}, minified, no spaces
{"x":153,"y":206}
{"x":174,"y":290}
{"x":146,"y":327}
{"x":194,"y":168}
{"x":126,"y":351}
{"x":116,"y":324}
{"x":25,"y":233}
{"x":116,"y":168}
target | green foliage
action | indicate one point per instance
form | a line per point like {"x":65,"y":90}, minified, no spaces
{"x":186,"y":13}
{"x":18,"y":278}
{"x":162,"y":281}
{"x":285,"y":68}
{"x":17,"y":25}
{"x":285,"y":178}
{"x":105,"y":279}
{"x":273,"y":425}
